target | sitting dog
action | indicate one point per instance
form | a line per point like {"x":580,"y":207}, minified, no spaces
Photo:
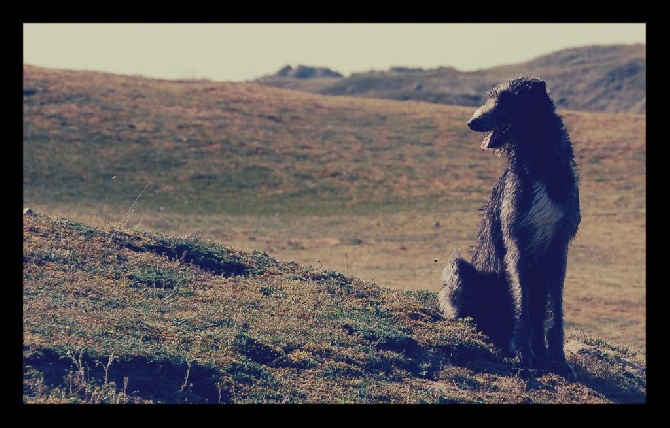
{"x":513,"y":286}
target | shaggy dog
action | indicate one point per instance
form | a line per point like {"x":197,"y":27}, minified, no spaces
{"x":513,"y":286}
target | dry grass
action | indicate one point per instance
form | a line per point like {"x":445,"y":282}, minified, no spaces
{"x":127,"y":316}
{"x":355,"y":186}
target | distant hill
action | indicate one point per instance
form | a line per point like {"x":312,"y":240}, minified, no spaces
{"x":600,"y":78}
{"x":305,"y":72}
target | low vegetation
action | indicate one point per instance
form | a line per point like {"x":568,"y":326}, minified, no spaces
{"x":118,"y":315}
{"x":236,"y":243}
{"x":377,"y":189}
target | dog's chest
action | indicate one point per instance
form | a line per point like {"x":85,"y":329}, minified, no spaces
{"x":532,"y":213}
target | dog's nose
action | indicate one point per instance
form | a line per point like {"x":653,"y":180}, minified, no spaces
{"x":474,"y":124}
{"x":478,"y":123}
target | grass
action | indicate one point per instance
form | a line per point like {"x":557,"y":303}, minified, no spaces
{"x":375,"y":189}
{"x":116,"y":316}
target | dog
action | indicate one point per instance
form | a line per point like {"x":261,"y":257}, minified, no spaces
{"x":513,"y":286}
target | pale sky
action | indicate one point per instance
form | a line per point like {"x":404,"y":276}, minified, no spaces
{"x":240,"y":52}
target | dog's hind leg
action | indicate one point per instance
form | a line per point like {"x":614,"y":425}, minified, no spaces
{"x":454,"y":296}
{"x":467,"y":292}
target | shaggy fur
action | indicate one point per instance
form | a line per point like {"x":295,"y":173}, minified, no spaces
{"x":513,"y":286}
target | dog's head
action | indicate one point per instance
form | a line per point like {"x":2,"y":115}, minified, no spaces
{"x":510,"y":106}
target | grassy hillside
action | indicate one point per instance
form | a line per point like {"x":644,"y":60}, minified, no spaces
{"x":604,"y":78}
{"x":113,"y":315}
{"x":230,"y":148}
{"x":381,"y":190}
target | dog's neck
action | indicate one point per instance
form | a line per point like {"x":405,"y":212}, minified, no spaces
{"x":532,"y":157}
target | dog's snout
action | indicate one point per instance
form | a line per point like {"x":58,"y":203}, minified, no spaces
{"x":476,"y":124}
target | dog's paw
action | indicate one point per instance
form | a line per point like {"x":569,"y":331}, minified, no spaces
{"x":562,"y":368}
{"x":534,"y":384}
{"x":526,"y":358}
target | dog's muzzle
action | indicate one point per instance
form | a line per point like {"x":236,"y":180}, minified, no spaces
{"x":477,"y":124}
{"x":496,"y":137}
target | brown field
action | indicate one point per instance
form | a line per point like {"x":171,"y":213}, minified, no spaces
{"x":355,"y":185}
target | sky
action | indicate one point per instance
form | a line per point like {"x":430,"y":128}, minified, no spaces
{"x":246,"y":51}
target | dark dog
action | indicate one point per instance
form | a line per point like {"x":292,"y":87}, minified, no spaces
{"x":513,"y":286}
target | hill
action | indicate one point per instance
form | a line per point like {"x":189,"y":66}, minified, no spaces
{"x":379,"y":189}
{"x":600,"y":78}
{"x":113,"y":315}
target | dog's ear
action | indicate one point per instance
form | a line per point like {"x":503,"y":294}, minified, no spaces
{"x":539,"y":86}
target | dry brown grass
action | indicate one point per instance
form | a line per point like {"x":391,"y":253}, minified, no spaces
{"x":353,"y":185}
{"x":114,"y":316}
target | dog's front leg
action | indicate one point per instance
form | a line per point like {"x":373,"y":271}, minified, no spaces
{"x":518,"y":277}
{"x":555,"y":335}
{"x":538,"y":313}
{"x":518,"y":263}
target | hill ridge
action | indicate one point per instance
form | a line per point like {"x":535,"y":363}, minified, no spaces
{"x":597,"y":78}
